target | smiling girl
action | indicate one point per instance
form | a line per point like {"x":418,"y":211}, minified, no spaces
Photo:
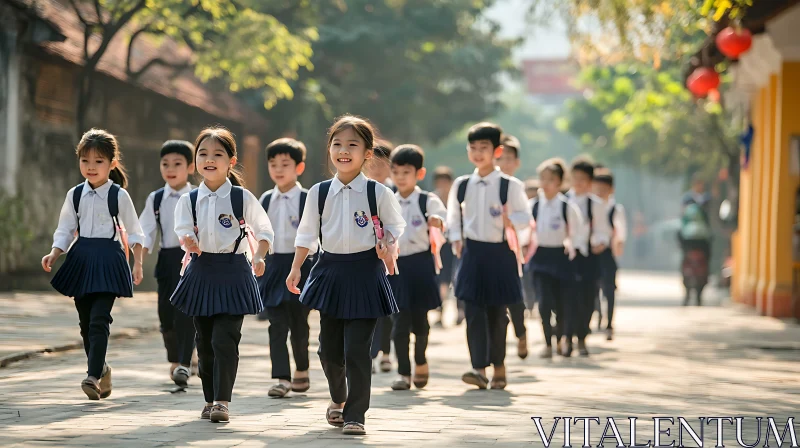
{"x":218,"y":287}
{"x":348,"y":285}
{"x":96,"y":270}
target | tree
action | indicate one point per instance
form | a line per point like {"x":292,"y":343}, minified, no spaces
{"x":234,"y":41}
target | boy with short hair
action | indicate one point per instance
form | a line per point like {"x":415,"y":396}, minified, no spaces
{"x":416,"y":289}
{"x":177,"y":329}
{"x":487,"y":279}
{"x":603,"y":187}
{"x":287,"y":316}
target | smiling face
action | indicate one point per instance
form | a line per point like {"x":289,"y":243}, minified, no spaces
{"x":175,"y":170}
{"x":213,"y":162}
{"x":348,"y":152}
{"x":283,"y":170}
{"x":405,"y":177}
{"x":482,"y":153}
{"x":95,"y":168}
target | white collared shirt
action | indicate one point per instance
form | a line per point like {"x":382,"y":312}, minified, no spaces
{"x":217,"y":226}
{"x":415,"y":239}
{"x":551,"y":230}
{"x":599,"y":228}
{"x":166,"y":212}
{"x":284,"y":214}
{"x":483,"y":220}
{"x":95,"y":220}
{"x":346,"y":225}
{"x":620,"y":222}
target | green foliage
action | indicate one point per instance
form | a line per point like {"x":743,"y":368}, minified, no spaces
{"x":15,"y":236}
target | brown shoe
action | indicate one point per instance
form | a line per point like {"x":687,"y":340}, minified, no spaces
{"x":206,"y":412}
{"x":582,"y":348}
{"x":219,"y":413}
{"x":522,"y":347}
{"x":354,"y":429}
{"x":105,"y":382}
{"x":91,"y":388}
{"x":475,"y":378}
{"x":420,"y":378}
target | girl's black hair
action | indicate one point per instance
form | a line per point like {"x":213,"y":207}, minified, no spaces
{"x":226,"y":139}
{"x":555,"y":166}
{"x":360,"y":126}
{"x":104,"y":144}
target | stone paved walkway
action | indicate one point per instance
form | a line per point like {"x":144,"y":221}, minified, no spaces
{"x":717,"y":360}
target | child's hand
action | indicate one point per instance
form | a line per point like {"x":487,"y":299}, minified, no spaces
{"x":49,"y":259}
{"x":137,"y":272}
{"x":598,"y":249}
{"x":457,"y":247}
{"x":618,"y":248}
{"x":259,"y":266}
{"x":293,"y":280}
{"x":190,"y":244}
{"x":382,"y":250}
{"x":435,"y":221}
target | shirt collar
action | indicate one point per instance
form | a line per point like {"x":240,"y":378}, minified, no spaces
{"x":223,"y":191}
{"x":356,"y":184}
{"x":101,"y":191}
{"x":169,"y":190}
{"x":410,"y":197}
{"x":291,"y":194}
{"x":558,"y":197}
{"x":489,"y":178}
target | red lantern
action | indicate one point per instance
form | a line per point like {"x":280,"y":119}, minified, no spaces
{"x":702,"y":81}
{"x":733,"y":41}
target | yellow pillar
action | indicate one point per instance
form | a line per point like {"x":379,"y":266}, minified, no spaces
{"x":744,"y":232}
{"x":785,"y":184}
{"x":756,"y":162}
{"x":770,"y":139}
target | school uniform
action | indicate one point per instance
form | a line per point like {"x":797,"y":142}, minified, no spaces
{"x":382,"y":341}
{"x":553,"y":273}
{"x":96,"y":269}
{"x":177,"y":328}
{"x":487,"y":278}
{"x":416,"y":289}
{"x":218,"y":287}
{"x":598,"y":231}
{"x":348,"y":284}
{"x":285,"y":312}
{"x":607,"y":260}
{"x":516,"y":311}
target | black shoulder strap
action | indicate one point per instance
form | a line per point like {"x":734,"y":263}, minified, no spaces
{"x":193,"y":200}
{"x":157,"y":198}
{"x":589,"y":215}
{"x":611,"y":214}
{"x":371,"y":199}
{"x":423,"y":204}
{"x":504,"y":181}
{"x":267,"y":198}
{"x":303,"y":197}
{"x":535,"y":209}
{"x":564,"y":207}
{"x":113,"y":206}
{"x":76,"y":202}
{"x":237,"y":203}
{"x":394,"y":188}
{"x":324,"y":188}
{"x":461,"y":195}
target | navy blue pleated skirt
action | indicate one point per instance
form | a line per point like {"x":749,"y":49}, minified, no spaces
{"x":553,"y":261}
{"x":349,"y":286}
{"x":169,"y":263}
{"x":487,"y":274}
{"x":94,"y":265}
{"x":218,"y":284}
{"x":272,"y":285}
{"x":587,"y":268}
{"x":416,"y":287}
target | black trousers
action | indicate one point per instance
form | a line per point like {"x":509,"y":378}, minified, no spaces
{"x":517,"y":313}
{"x":608,"y":284}
{"x":94,"y":318}
{"x":580,"y":309}
{"x":288,"y":320}
{"x":486,"y":334}
{"x":554,"y":296}
{"x":382,"y":341}
{"x":404,"y":323}
{"x":344,"y":350}
{"x":218,"y":339}
{"x":177,"y":328}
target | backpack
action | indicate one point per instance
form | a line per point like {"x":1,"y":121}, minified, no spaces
{"x":237,"y":203}
{"x":462,"y":194}
{"x":325,"y":187}
{"x":564,"y":207}
{"x":113,"y":205}
{"x":693,"y":223}
{"x":268,"y":197}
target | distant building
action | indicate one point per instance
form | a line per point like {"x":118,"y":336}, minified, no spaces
{"x":548,"y":82}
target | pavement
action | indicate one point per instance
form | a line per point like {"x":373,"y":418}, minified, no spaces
{"x":666,"y":361}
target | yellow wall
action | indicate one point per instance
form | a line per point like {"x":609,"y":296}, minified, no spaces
{"x":756,"y":184}
{"x":771,"y":130}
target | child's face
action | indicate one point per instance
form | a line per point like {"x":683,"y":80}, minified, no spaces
{"x":348,"y":152}
{"x":95,"y":168}
{"x":601,"y":189}
{"x":283,"y":170}
{"x":508,"y":162}
{"x":405,"y":177}
{"x":175,"y":170}
{"x":581,"y":182}
{"x":482,"y":153}
{"x":443,"y":185}
{"x":213,"y":161}
{"x":550,"y":183}
{"x":378,"y":169}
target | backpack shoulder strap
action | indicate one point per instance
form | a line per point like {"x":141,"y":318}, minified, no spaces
{"x":76,"y":202}
{"x":157,"y":198}
{"x":303,"y":197}
{"x":237,"y":203}
{"x":535,"y":209}
{"x":371,"y":198}
{"x":423,"y":204}
{"x":267,"y":198}
{"x":394,"y":188}
{"x":611,"y":214}
{"x":113,"y":200}
{"x":462,"y":189}
{"x":324,"y":188}
{"x":193,"y":200}
{"x":564,"y":207}
{"x":504,"y":182}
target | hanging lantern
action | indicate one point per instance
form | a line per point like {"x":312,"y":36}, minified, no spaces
{"x":733,"y":41}
{"x":702,"y":81}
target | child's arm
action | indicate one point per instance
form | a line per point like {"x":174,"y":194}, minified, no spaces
{"x":519,"y":214}
{"x":127,"y":215}
{"x":454,"y":218}
{"x":184,"y":225}
{"x":308,"y":230}
{"x":578,"y":231}
{"x":300,"y":255}
{"x":258,"y":220}
{"x":601,"y":228}
{"x":620,"y":231}
{"x":436,"y":212}
{"x":64,"y":234}
{"x":149,"y":225}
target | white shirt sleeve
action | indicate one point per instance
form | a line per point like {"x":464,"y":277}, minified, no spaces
{"x":454,"y":212}
{"x":390,"y":213}
{"x":67,"y":224}
{"x":148,"y":222}
{"x":518,"y":211}
{"x":620,"y":224}
{"x":436,"y":207}
{"x":601,"y":230}
{"x":184,"y":223}
{"x":258,"y":220}
{"x":578,"y":229}
{"x":128,"y":217}
{"x":308,"y":230}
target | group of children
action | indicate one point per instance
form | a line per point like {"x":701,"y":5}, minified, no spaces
{"x":361,"y":250}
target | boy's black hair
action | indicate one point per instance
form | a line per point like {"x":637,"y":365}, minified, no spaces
{"x":408,"y":155}
{"x":512,"y":143}
{"x":293,"y":148}
{"x":604,"y":176}
{"x":584,"y":166}
{"x":486,"y":131}
{"x":180,"y":147}
{"x":443,"y":172}
{"x":382,"y":149}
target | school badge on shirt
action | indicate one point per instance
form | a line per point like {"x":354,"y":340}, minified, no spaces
{"x":361,"y":219}
{"x":416,"y":221}
{"x":496,"y":210}
{"x":294,"y":221}
{"x":226,"y":220}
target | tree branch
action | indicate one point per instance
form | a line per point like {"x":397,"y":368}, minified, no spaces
{"x":134,"y":36}
{"x":78,"y":12}
{"x":111,"y":29}
{"x":177,"y":66}
{"x":99,"y":13}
